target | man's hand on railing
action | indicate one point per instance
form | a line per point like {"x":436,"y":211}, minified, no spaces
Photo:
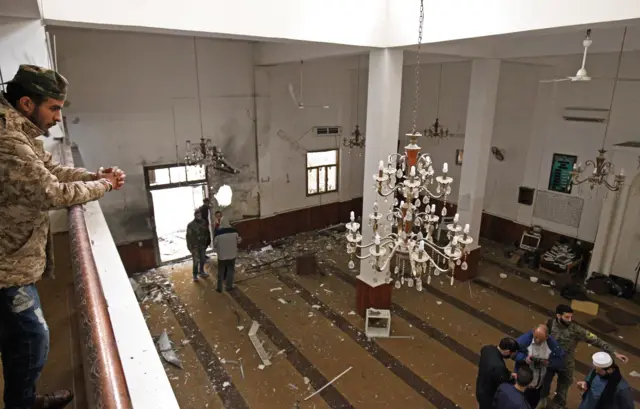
{"x":114,"y":174}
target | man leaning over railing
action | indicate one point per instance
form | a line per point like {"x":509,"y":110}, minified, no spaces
{"x":31,"y":184}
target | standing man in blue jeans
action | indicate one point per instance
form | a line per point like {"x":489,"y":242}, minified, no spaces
{"x":31,"y":184}
{"x":225,"y":243}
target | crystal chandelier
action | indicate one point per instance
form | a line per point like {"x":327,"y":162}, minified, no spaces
{"x":602,"y":168}
{"x":406,"y":179}
{"x":357,"y":137}
{"x":436,"y":130}
{"x":205,"y":154}
{"x":356,"y":140}
{"x":414,"y":220}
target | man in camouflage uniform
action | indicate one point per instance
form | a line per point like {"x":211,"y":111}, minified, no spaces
{"x":198,"y":239}
{"x":568,"y":334}
{"x":31,"y":184}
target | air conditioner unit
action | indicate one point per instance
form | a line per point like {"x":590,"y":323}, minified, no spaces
{"x":327,"y":130}
{"x":584,"y":114}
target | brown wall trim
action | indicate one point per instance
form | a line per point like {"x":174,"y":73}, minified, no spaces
{"x":141,"y":255}
{"x":104,"y":377}
{"x":506,"y":231}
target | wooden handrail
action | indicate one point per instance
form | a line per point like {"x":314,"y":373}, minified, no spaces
{"x":104,"y":377}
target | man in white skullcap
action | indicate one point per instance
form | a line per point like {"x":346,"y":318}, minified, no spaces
{"x":604,"y":387}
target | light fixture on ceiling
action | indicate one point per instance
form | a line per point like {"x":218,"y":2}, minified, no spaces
{"x":406,"y":180}
{"x":602,"y":168}
{"x":204,"y":153}
{"x":436,"y":130}
{"x":356,"y":139}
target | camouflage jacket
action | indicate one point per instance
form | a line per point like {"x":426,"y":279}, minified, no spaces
{"x":569,"y":336}
{"x":198,"y":235}
{"x":31,"y":184}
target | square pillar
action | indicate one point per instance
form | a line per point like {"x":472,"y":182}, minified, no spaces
{"x":383,"y":124}
{"x":483,"y":93}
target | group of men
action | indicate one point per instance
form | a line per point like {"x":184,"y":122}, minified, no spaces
{"x":541,"y":354}
{"x":225,"y":244}
{"x":31,"y":184}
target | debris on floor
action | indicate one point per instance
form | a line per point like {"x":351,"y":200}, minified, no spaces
{"x":330,"y":382}
{"x":166,"y":351}
{"x":253,"y":336}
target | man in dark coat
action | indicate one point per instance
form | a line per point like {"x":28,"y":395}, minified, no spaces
{"x":513,"y":396}
{"x":492,"y":370}
{"x":198,"y":239}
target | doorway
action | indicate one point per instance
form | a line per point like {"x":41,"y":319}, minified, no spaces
{"x":175,"y":192}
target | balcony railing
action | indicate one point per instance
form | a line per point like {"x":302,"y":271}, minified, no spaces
{"x":121,"y":366}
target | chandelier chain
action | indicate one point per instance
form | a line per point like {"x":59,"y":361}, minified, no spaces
{"x":417,"y":69}
{"x":615,"y":83}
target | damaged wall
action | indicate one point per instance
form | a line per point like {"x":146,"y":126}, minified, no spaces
{"x":134,"y":102}
{"x":285,"y":132}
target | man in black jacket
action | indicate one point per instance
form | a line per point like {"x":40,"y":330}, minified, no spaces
{"x":492,"y":370}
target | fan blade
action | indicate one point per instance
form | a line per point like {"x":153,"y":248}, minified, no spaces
{"x":614,"y":79}
{"x":292,"y":92}
{"x":317,"y":106}
{"x":556,"y":80}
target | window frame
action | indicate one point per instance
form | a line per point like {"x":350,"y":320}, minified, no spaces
{"x":186,"y":182}
{"x":326,"y":173}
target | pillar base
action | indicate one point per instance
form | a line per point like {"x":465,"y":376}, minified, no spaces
{"x":372,"y":297}
{"x":471,"y":272}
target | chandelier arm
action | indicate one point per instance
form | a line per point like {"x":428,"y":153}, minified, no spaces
{"x":613,"y":188}
{"x":435,"y":265}
{"x":576,"y":180}
{"x":436,"y":248}
{"x":369,"y":255}
{"x":391,"y":254}
{"x":394,"y":157}
{"x":392,"y":190}
{"x":390,"y":237}
{"x":425,"y":190}
{"x":606,"y":168}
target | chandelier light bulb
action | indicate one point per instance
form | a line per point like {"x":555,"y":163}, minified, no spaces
{"x":381,"y":165}
{"x":621,"y":172}
{"x":445,"y":168}
{"x":466,"y":229}
{"x":353,"y":216}
{"x":456,"y":217}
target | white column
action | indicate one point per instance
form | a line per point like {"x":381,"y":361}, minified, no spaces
{"x":620,"y":207}
{"x":383,"y":124}
{"x":481,"y":110}
{"x":603,"y":234}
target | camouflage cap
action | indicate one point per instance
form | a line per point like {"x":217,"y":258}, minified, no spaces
{"x":41,"y":81}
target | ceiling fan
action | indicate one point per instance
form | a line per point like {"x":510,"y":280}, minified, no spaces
{"x":299,"y":102}
{"x":582,"y":75}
